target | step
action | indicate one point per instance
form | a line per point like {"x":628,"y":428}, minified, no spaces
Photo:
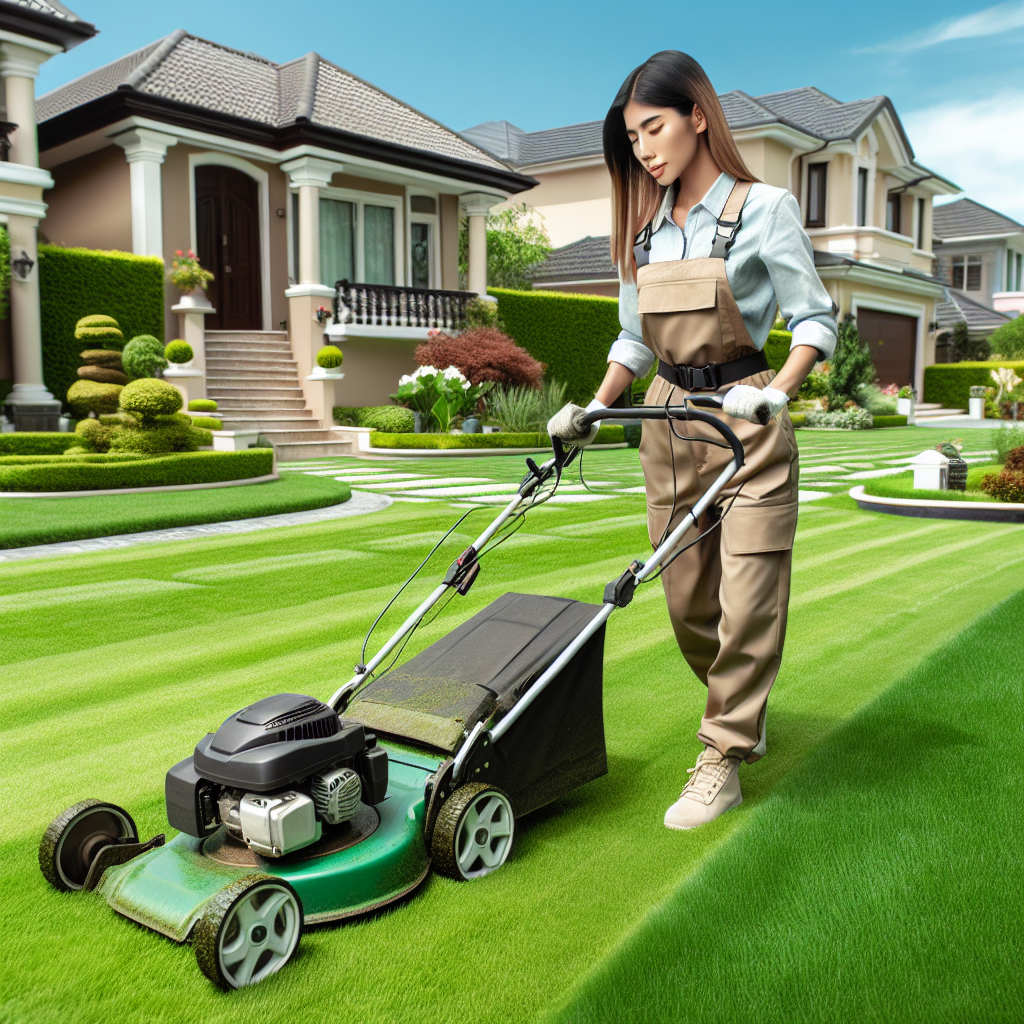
{"x":244,"y":403}
{"x":250,"y":350}
{"x":252,"y":373}
{"x":265,"y":389}
{"x":265,"y":423}
{"x":247,"y":335}
{"x":296,"y":451}
{"x":315,"y":433}
{"x":247,"y":362}
{"x":937,"y":413}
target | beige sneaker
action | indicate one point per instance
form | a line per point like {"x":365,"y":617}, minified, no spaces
{"x":712,"y":789}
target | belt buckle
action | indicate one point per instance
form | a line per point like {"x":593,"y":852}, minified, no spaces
{"x":703,"y":378}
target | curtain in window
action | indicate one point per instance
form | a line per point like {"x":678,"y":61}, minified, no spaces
{"x":337,"y":241}
{"x":379,"y":244}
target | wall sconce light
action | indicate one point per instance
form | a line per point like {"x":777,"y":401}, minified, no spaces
{"x":23,"y":265}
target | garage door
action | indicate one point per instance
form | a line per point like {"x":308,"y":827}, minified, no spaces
{"x":892,"y":339}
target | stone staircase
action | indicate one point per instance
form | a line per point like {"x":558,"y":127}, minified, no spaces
{"x":932,"y":412}
{"x":253,"y":379}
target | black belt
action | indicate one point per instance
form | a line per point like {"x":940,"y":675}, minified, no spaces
{"x":714,"y":375}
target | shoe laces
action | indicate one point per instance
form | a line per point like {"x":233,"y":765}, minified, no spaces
{"x":709,"y":774}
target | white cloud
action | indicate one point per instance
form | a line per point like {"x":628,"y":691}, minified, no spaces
{"x":991,"y":21}
{"x":979,"y":145}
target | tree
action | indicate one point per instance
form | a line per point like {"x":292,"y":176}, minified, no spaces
{"x":1008,"y":340}
{"x":851,"y":366}
{"x":514,"y":243}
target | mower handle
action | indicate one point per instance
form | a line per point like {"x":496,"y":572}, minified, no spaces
{"x":676,"y":412}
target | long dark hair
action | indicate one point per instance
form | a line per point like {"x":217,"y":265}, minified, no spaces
{"x":668,"y":79}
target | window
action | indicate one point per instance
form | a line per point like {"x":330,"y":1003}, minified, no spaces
{"x":379,"y":245}
{"x":966,"y":273}
{"x":1014,"y":263}
{"x":423,"y":254}
{"x":1020,"y":267}
{"x":337,"y":241}
{"x":816,"y":174}
{"x":420,"y":255}
{"x":892,"y":212}
{"x":862,"y":196}
{"x":920,"y":223}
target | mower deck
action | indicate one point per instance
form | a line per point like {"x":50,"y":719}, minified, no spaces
{"x":167,"y":888}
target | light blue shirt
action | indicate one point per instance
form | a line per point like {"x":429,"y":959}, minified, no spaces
{"x":770,"y":264}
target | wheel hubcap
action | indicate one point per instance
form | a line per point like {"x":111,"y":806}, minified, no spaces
{"x":485,"y":835}
{"x":259,"y":934}
{"x":84,"y":837}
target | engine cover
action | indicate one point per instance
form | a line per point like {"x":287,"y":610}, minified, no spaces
{"x":278,"y":823}
{"x":277,"y":741}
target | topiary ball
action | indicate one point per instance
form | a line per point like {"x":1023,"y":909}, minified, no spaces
{"x":207,"y":422}
{"x":202,"y":405}
{"x":101,"y":329}
{"x":178,"y":351}
{"x":102,"y":374}
{"x":329,"y":357}
{"x":95,"y":436}
{"x":101,"y":357}
{"x":148,"y":398}
{"x":86,"y":396}
{"x":143,"y":356}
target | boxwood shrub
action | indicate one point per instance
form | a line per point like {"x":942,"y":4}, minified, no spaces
{"x":79,"y":282}
{"x":29,"y":443}
{"x":207,"y":422}
{"x":890,"y":421}
{"x":950,"y":384}
{"x":612,"y":434}
{"x":389,"y":419}
{"x":570,"y":334}
{"x":202,"y":405}
{"x":89,"y":474}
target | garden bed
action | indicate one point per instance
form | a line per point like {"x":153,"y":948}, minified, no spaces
{"x":612,"y":436}
{"x":51,"y":474}
{"x":79,"y":518}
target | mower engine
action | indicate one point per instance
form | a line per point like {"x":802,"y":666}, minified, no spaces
{"x":275,"y":773}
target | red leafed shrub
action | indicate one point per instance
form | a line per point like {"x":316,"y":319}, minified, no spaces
{"x":1007,"y":486}
{"x":483,"y":353}
{"x":1015,"y":459}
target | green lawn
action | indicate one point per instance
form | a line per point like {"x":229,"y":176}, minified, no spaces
{"x":25,"y":521}
{"x":112,"y":665}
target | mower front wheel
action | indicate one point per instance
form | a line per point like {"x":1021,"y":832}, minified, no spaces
{"x":473,"y":834}
{"x":248,"y":931}
{"x":74,"y":838}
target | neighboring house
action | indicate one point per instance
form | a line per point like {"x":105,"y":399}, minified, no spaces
{"x":31,"y":32}
{"x":285,"y":178}
{"x":980,"y":254}
{"x":981,"y":321}
{"x":867,"y":207}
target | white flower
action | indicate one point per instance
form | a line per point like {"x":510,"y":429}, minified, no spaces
{"x":452,"y":372}
{"x":406,"y":379}
{"x":425,"y":371}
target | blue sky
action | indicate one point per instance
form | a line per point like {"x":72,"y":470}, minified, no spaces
{"x":955,"y":71}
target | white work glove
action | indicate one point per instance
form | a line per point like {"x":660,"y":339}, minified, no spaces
{"x":567,"y":424}
{"x":755,"y":405}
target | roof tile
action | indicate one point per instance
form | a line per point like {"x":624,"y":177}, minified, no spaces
{"x":965,"y":217}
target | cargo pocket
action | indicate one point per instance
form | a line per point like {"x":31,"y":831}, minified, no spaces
{"x":756,"y":529}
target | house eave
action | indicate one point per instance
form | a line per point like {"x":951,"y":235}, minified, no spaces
{"x":116,"y":106}
{"x":63,"y":32}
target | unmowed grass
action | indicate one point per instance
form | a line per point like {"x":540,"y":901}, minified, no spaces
{"x":880,"y":882}
{"x":101,"y":694}
{"x":26,"y":521}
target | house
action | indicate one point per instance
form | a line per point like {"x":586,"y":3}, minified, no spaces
{"x":31,"y":32}
{"x":960,"y":307}
{"x":867,"y":207}
{"x":286,"y":179}
{"x":980,"y":254}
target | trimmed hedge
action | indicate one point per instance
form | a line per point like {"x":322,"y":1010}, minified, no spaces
{"x":208,"y":422}
{"x":612,"y":434}
{"x":890,"y":421}
{"x":570,"y":334}
{"x":37,"y":460}
{"x":776,"y":348}
{"x":78,"y":282}
{"x":797,"y":419}
{"x":950,"y":384}
{"x":82,"y":474}
{"x":29,"y":443}
{"x":388,"y":419}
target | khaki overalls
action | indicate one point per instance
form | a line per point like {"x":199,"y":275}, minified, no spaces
{"x":727,"y":595}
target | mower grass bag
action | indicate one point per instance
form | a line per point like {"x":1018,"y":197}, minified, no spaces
{"x":480,"y":670}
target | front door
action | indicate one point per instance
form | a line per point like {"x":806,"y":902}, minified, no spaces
{"x":892,"y":339}
{"x":228,"y":237}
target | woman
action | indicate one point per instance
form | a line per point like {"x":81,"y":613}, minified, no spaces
{"x":705,"y":254}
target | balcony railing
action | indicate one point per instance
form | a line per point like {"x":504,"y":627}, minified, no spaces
{"x":386,"y":305}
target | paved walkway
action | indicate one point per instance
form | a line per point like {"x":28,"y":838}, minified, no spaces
{"x":359,"y":504}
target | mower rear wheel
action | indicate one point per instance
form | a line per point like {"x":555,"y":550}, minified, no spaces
{"x":74,"y":838}
{"x":473,"y":834}
{"x":248,"y":931}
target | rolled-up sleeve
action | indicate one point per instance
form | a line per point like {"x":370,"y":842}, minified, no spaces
{"x":628,"y":348}
{"x":803,"y":301}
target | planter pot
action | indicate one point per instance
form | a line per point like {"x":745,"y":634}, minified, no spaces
{"x":320,"y":373}
{"x":64,"y":424}
{"x":904,"y":406}
{"x":977,"y":408}
{"x":471,"y":425}
{"x":490,"y":429}
{"x":182,"y":366}
{"x":196,"y":297}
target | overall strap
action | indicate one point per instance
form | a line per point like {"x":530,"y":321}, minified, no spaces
{"x":642,"y":247}
{"x":729,"y":222}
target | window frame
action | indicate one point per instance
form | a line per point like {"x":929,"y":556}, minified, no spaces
{"x":964,"y":262}
{"x":920,"y":207}
{"x":863,"y":184}
{"x":813,"y":170}
{"x":894,"y":212}
{"x":360,"y":199}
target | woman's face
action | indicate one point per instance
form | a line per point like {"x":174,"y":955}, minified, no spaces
{"x":664,"y":141}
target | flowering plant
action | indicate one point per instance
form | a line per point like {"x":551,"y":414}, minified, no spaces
{"x":440,"y":394}
{"x":323,"y":314}
{"x":907,"y":391}
{"x":1006,"y":379}
{"x":892,"y":391}
{"x":186,"y":273}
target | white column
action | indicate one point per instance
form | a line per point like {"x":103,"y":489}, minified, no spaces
{"x":476,"y":206}
{"x":145,"y":151}
{"x":309,"y":175}
{"x":35,"y":408}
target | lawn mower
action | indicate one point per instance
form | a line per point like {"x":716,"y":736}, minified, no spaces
{"x":297,"y":811}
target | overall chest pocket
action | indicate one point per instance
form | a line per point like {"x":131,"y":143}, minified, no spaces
{"x":681,"y":321}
